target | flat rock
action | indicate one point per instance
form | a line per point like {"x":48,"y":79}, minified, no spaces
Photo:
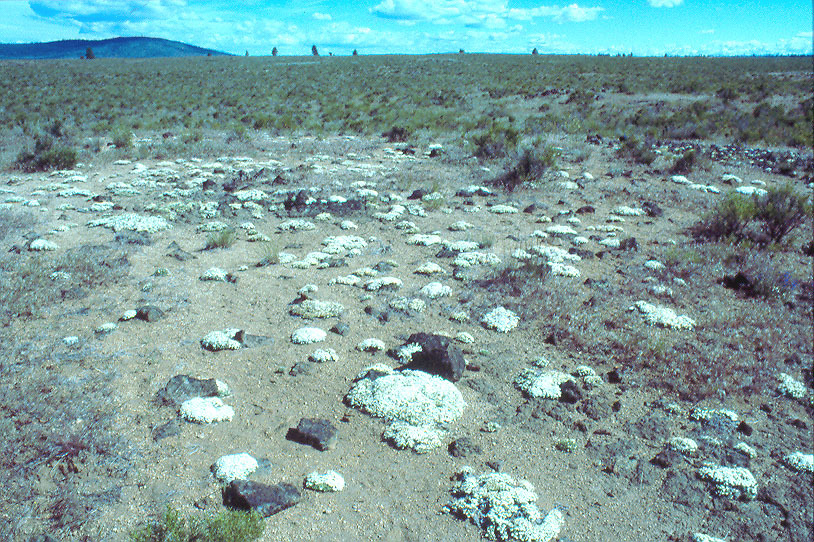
{"x":319,"y":433}
{"x":264,"y":499}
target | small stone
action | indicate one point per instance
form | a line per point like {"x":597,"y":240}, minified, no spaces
{"x":181,"y":388}
{"x":265,"y":499}
{"x":319,"y":433}
{"x":436,"y":355}
{"x":166,"y":430}
{"x":340,"y":328}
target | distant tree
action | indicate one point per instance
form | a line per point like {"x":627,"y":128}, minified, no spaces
{"x":355,"y":52}
{"x":461,"y":51}
{"x":314,"y":50}
{"x":89,"y":53}
{"x":247,"y":52}
{"x":534,"y":52}
{"x":274,"y":52}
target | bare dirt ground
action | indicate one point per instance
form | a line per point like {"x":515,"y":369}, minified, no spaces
{"x":608,"y":485}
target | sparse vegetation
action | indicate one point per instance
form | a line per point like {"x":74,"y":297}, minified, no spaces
{"x":759,"y":219}
{"x":220,"y":239}
{"x":47,"y":154}
{"x":228,"y":526}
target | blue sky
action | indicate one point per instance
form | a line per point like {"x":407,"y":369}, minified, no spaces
{"x":643,"y":27}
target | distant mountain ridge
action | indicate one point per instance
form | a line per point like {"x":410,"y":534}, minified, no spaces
{"x":126,"y":47}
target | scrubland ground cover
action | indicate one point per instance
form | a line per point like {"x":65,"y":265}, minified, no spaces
{"x":645,"y":223}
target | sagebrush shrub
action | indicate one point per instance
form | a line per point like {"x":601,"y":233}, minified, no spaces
{"x":782,"y":210}
{"x":729,"y":219}
{"x":47,"y":155}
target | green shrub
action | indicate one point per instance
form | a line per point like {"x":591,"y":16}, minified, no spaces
{"x":729,"y":220}
{"x":47,"y":155}
{"x":782,"y":210}
{"x":684,"y":163}
{"x":228,"y":526}
{"x":122,"y":138}
{"x":639,"y":152}
{"x":496,"y":141}
{"x":529,"y":168}
{"x":221,"y":239}
{"x":761,"y":220}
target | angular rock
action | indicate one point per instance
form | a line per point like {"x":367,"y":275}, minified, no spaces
{"x":168,"y":429}
{"x":175,"y":251}
{"x":319,"y":433}
{"x":264,"y":499}
{"x":437,"y":356}
{"x":149,"y":313}
{"x":183,"y":387}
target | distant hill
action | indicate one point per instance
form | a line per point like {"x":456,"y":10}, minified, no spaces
{"x":111,"y":48}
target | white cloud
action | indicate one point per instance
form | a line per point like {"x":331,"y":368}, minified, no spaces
{"x":708,"y":31}
{"x":665,"y":3}
{"x":322,"y":16}
{"x":486,"y":13}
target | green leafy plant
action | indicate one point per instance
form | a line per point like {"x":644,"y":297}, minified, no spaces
{"x":728,"y":220}
{"x":228,"y":526}
{"x":122,"y":137}
{"x":782,"y":210}
{"x":637,"y":151}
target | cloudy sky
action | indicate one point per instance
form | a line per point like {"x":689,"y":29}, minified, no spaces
{"x":643,"y":27}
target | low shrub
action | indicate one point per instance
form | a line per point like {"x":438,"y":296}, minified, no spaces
{"x":47,"y":155}
{"x":684,"y":163}
{"x":530,"y":167}
{"x":122,"y":138}
{"x":228,"y":526}
{"x":495,"y":142}
{"x":782,"y":210}
{"x":637,"y":151}
{"x":220,"y":239}
{"x":758,"y":219}
{"x":269,"y":254}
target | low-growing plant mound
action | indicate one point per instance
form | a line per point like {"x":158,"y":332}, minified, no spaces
{"x":48,"y":154}
{"x":228,"y":526}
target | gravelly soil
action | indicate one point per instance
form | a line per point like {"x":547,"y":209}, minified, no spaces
{"x":608,"y":487}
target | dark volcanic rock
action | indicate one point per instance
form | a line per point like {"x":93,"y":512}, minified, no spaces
{"x":463,"y":447}
{"x":266,"y":500}
{"x":437,"y":356}
{"x":133,"y":238}
{"x":321,"y":434}
{"x":569,"y":392}
{"x":629,"y":244}
{"x":340,"y":328}
{"x":418,"y":193}
{"x":149,"y":313}
{"x":182,"y":387}
{"x":175,"y":251}
{"x":652,"y":209}
{"x":586,"y":209}
{"x":682,"y":488}
{"x":168,"y":429}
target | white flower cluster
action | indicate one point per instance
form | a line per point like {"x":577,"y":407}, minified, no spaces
{"x":408,"y":305}
{"x":234,"y":467}
{"x":461,"y":225}
{"x":387,"y":283}
{"x":461,"y":246}
{"x":308,"y":335}
{"x":624,"y":210}
{"x":221,"y":340}
{"x":206,"y":410}
{"x":42,"y":245}
{"x":800,"y":461}
{"x":700,"y":537}
{"x":430,"y":268}
{"x":503,"y":209}
{"x":214,"y":226}
{"x":343,"y":243}
{"x":395,"y":212}
{"x":134,"y":222}
{"x":424,"y":240}
{"x":416,"y":404}
{"x":215,"y":274}
{"x":735,"y":482}
{"x":501,"y":320}
{"x":702,"y":414}
{"x":791,"y":387}
{"x":470,"y":259}
{"x":503,"y":508}
{"x":312,"y":308}
{"x":370,"y":345}
{"x":541,"y":384}
{"x":296,"y":224}
{"x":683,"y":445}
{"x":434,"y":290}
{"x":559,"y":230}
{"x":663,"y":316}
{"x":330,"y":481}
{"x":323,"y":355}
